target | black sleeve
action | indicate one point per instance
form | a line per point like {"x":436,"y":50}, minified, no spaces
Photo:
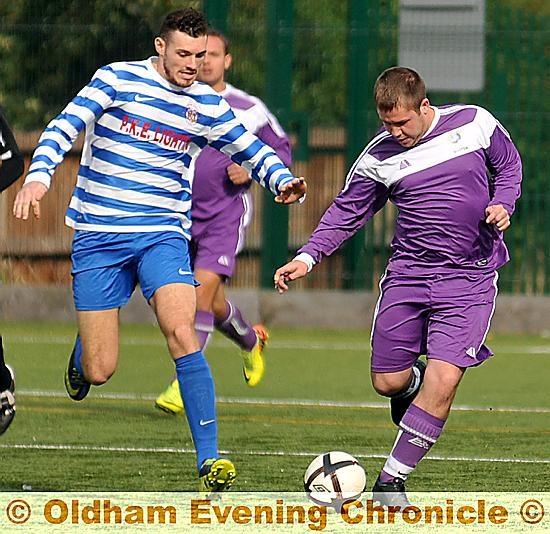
{"x":12,"y":167}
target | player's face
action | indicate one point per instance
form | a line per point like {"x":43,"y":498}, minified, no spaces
{"x":180,"y":57}
{"x":407,"y":126}
{"x":216,"y":62}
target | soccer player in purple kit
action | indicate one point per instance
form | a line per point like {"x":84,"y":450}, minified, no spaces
{"x":145,"y":124}
{"x":221,"y":210}
{"x":11,"y":168}
{"x":454,"y":174}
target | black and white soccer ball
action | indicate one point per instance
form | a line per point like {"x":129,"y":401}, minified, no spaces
{"x":334,"y":478}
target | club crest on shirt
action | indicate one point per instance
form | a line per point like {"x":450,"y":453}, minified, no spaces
{"x":192,"y":114}
{"x":454,"y":137}
{"x":457,"y":142}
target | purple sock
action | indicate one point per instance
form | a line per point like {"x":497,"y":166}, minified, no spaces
{"x":237,"y":328}
{"x":418,"y":431}
{"x":204,"y":326}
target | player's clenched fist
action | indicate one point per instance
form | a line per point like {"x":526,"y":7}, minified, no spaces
{"x":291,"y":271}
{"x":498,"y":215}
{"x":237,"y":174}
{"x":29,"y":197}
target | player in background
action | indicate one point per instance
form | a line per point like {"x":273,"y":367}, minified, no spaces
{"x":145,"y":124}
{"x":221,"y":211}
{"x":11,"y":168}
{"x":454,"y":175}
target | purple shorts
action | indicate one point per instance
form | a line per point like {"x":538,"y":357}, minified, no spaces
{"x":445,"y":316}
{"x":216,"y":242}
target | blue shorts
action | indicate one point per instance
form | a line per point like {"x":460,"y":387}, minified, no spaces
{"x":444,"y":316}
{"x":106,"y":267}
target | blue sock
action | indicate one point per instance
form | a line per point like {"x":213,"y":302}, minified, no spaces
{"x":78,"y":355}
{"x":199,"y":400}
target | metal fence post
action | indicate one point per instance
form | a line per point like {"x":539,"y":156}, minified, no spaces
{"x":279,"y":36}
{"x":216,"y":14}
{"x":358,"y":98}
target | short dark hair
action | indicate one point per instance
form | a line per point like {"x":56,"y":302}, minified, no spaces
{"x":186,"y":20}
{"x":399,"y":86}
{"x":222,"y":37}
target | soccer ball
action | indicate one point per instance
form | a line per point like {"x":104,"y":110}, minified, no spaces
{"x":334,"y":478}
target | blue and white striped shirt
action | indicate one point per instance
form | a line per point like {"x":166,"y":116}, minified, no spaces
{"x":143,"y":135}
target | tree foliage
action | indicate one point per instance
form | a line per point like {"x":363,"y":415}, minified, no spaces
{"x":51,"y":49}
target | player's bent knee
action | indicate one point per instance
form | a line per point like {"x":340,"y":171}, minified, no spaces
{"x":388,"y":384}
{"x":183,"y":331}
{"x":384,"y":390}
{"x":443,"y":385}
{"x":183,"y":338}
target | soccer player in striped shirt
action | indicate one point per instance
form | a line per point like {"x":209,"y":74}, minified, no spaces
{"x":11,"y":168}
{"x":222,"y":209}
{"x":145,"y":124}
{"x":454,"y":174}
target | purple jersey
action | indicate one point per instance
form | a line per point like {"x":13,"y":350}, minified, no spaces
{"x":441,"y":187}
{"x":213,"y":191}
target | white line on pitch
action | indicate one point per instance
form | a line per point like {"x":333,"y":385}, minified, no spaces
{"x":220,"y":342}
{"x":283,"y":402}
{"x":175,"y":450}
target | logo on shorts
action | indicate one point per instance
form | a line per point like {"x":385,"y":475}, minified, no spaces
{"x":182,"y":272}
{"x":223,"y":260}
{"x":472,"y":352}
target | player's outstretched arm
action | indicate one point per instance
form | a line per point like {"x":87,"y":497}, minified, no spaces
{"x":291,"y":271}
{"x":29,"y":197}
{"x":292,"y":192}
